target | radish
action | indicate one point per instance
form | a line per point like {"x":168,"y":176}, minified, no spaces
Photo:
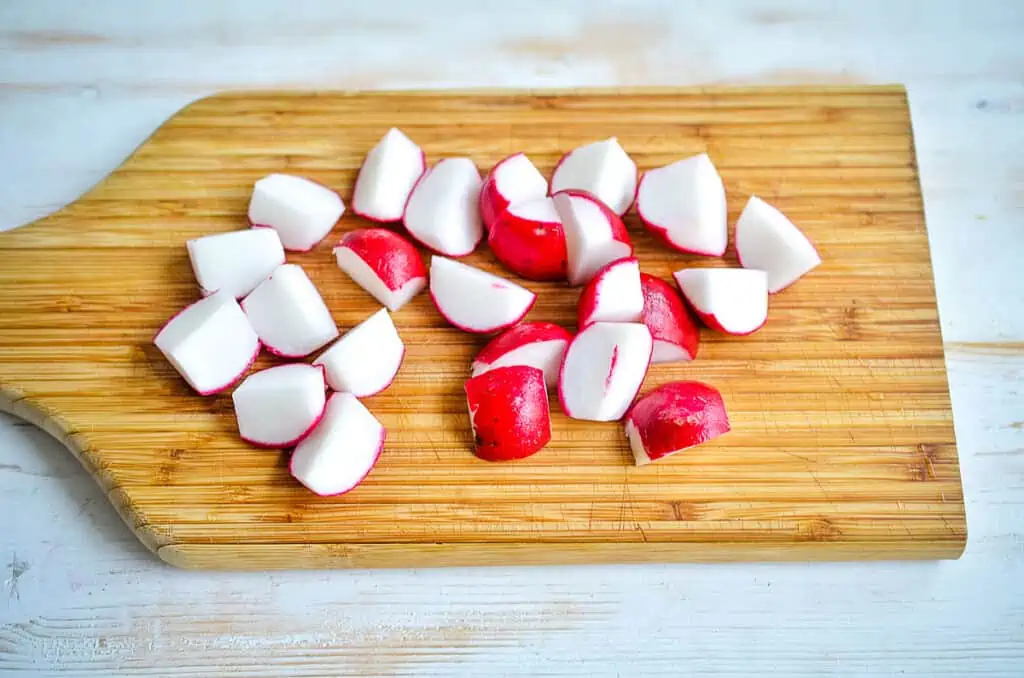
{"x":384,"y":264}
{"x":508,"y":411}
{"x":279,"y":406}
{"x":301,"y":211}
{"x":604,"y":366}
{"x":674,"y":417}
{"x":443,"y":211}
{"x":673,"y":327}
{"x":613,"y":294}
{"x":510,"y":182}
{"x":684,"y":205}
{"x":602,"y":168}
{"x":730,"y":300}
{"x":210,"y":343}
{"x":768,"y":241}
{"x":528,"y":239}
{"x":594,"y":235}
{"x":474,"y":300}
{"x":235,"y":262}
{"x":342,"y":450}
{"x":288,"y":313}
{"x":387,"y":176}
{"x":366,"y":358}
{"x":536,"y":344}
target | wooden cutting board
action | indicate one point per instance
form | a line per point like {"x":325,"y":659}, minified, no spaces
{"x":842,"y":444}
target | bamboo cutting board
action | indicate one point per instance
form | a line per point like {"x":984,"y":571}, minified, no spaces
{"x":842,"y":444}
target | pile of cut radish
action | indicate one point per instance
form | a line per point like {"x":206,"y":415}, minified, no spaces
{"x":572,"y":231}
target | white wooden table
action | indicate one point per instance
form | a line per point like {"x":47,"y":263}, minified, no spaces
{"x":82,"y":83}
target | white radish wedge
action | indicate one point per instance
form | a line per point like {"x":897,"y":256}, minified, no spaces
{"x":387,"y":176}
{"x":235,"y":262}
{"x":674,"y":417}
{"x":288,"y":313}
{"x":594,"y":235}
{"x":342,"y":450}
{"x":602,"y":168}
{"x":365,"y":360}
{"x":279,"y":406}
{"x":443,"y":211}
{"x":768,"y":241}
{"x":534,"y":344}
{"x":613,"y":294}
{"x":384,"y":264}
{"x":675,"y":331}
{"x":683,"y":204}
{"x":475,"y":300}
{"x":729,"y":300}
{"x":301,"y":211}
{"x":604,"y":366}
{"x":508,"y":411}
{"x":529,"y":240}
{"x":512,"y":181}
{"x":210,"y":343}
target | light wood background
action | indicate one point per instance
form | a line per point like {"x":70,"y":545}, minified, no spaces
{"x":82,"y":85}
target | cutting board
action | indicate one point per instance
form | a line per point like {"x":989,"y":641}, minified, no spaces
{"x":842,"y":444}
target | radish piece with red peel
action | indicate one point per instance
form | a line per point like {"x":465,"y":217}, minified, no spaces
{"x":594,"y":235}
{"x":300,"y":210}
{"x":684,"y":205}
{"x":614,"y":294}
{"x":443,"y":210}
{"x":768,"y":241}
{"x":508,"y":410}
{"x":279,"y":406}
{"x":535,"y":344}
{"x":365,"y":360}
{"x":342,"y":450}
{"x":384,"y":264}
{"x":512,"y":181}
{"x":602,"y":168}
{"x":675,"y":331}
{"x":387,"y":176}
{"x":235,"y":262}
{"x":604,"y":366}
{"x":729,"y":300}
{"x":210,"y":343}
{"x":475,"y":300}
{"x":674,"y":417}
{"x":529,"y":240}
{"x":288,"y":313}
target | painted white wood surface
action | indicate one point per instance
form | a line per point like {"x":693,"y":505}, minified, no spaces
{"x":81,"y":83}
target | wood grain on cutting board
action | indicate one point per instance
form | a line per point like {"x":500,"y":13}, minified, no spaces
{"x":842,"y":444}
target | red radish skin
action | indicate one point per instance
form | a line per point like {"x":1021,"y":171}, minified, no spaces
{"x":668,"y":319}
{"x":394,"y":260}
{"x":674,"y":417}
{"x":536,"y":344}
{"x":508,"y":409}
{"x":494,"y":202}
{"x":595,"y":302}
{"x":531,"y":248}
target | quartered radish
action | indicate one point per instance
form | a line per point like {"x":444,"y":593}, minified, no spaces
{"x":342,"y":450}
{"x":387,"y":176}
{"x":603,"y":369}
{"x":443,"y":210}
{"x":529,"y":240}
{"x":512,"y":181}
{"x":235,"y":262}
{"x":475,"y":300}
{"x":730,"y":300}
{"x":508,"y":410}
{"x":602,"y":168}
{"x":613,"y":294}
{"x":535,"y":344}
{"x":365,"y":360}
{"x":384,"y":264}
{"x":673,"y":327}
{"x":288,"y":313}
{"x":210,"y":343}
{"x":301,"y":211}
{"x":768,"y":241}
{"x":279,"y":406}
{"x":594,"y":235}
{"x":674,"y":417}
{"x":684,"y":205}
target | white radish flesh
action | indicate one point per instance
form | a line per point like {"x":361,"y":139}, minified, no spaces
{"x":730,"y":300}
{"x":365,"y":360}
{"x":594,"y":235}
{"x":443,"y":211}
{"x":279,"y":406}
{"x":301,"y":211}
{"x":534,"y":344}
{"x":475,"y":300}
{"x":684,"y":205}
{"x":614,"y":294}
{"x":604,"y":366}
{"x":235,"y":262}
{"x":288,"y":313}
{"x":387,"y":177}
{"x":602,"y":168}
{"x":512,"y":181}
{"x":767,"y":240}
